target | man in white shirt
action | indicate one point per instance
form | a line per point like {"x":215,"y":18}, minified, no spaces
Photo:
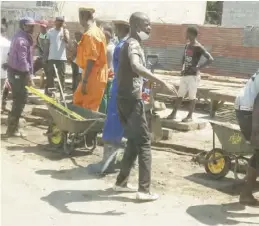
{"x":5,"y":46}
{"x":247,"y":112}
{"x":55,"y":52}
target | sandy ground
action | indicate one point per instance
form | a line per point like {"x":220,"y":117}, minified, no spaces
{"x":44,"y":187}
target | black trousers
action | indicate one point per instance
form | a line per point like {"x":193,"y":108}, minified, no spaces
{"x":60,"y":65}
{"x":75,"y":75}
{"x":246,"y":120}
{"x":38,"y":64}
{"x":18,"y":81}
{"x":133,"y":119}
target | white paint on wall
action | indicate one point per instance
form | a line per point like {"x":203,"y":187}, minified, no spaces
{"x":178,"y":12}
{"x":240,"y":13}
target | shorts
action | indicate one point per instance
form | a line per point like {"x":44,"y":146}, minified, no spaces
{"x":189,"y":84}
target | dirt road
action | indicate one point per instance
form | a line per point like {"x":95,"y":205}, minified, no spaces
{"x":44,"y":188}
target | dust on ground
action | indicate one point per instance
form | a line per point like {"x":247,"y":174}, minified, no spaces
{"x":62,"y":188}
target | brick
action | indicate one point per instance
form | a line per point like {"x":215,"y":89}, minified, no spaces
{"x":167,"y":134}
{"x":181,"y":126}
{"x":41,"y":111}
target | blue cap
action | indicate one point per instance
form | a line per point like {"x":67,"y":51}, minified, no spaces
{"x":60,"y":18}
{"x":27,"y":20}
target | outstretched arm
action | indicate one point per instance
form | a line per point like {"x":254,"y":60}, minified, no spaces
{"x":138,"y":68}
{"x":209,"y":59}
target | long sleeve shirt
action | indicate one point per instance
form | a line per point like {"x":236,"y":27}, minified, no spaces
{"x":20,"y":54}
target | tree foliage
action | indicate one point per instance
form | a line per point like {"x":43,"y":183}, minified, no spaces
{"x":214,"y":12}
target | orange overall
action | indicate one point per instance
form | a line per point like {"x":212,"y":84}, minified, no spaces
{"x":92,"y":47}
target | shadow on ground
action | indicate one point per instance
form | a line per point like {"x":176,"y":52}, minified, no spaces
{"x":46,"y":151}
{"x":62,"y":198}
{"x":224,"y":214}
{"x":77,"y":173}
{"x":226,"y":185}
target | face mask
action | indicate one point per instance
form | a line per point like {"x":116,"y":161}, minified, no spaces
{"x":143,"y":35}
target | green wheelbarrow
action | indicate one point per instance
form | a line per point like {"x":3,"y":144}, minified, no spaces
{"x":234,"y":151}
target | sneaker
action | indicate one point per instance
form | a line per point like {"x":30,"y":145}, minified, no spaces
{"x":127,"y":188}
{"x":146,"y":197}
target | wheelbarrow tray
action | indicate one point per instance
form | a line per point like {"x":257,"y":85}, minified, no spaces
{"x":94,"y":120}
{"x":231,"y":138}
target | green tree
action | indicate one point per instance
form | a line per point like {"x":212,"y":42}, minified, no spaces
{"x":214,"y":12}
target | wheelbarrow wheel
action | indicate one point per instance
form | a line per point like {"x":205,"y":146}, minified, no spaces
{"x":218,"y":168}
{"x":55,"y":136}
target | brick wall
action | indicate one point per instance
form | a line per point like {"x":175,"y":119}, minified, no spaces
{"x":235,"y":50}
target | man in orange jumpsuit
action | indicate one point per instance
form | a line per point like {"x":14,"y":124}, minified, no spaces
{"x":91,"y":57}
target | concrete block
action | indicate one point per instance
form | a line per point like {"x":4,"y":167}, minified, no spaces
{"x":32,"y":99}
{"x":167,"y":134}
{"x":36,"y":120}
{"x":183,"y":126}
{"x":41,"y":111}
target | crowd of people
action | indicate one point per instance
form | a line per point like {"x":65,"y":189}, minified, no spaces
{"x":108,"y":76}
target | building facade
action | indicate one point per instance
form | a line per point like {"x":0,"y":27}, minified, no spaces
{"x":177,"y":12}
{"x":240,"y":13}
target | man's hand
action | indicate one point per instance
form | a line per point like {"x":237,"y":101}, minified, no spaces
{"x":44,"y":60}
{"x":196,"y":69}
{"x":5,"y":66}
{"x":30,"y":81}
{"x":170,"y":88}
{"x":83,"y":87}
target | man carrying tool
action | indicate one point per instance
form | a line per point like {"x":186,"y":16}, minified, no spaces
{"x":247,"y":112}
{"x":132,"y":67}
{"x":113,"y":130}
{"x":20,"y":70}
{"x":55,"y":52}
{"x":191,"y":72}
{"x":92,"y":58}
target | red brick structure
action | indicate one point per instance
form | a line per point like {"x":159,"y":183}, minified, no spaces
{"x":234,"y":51}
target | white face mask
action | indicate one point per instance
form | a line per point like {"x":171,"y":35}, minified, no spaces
{"x":143,"y":35}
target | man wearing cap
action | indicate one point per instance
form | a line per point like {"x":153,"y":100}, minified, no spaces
{"x":55,"y":52}
{"x":113,"y":130}
{"x":20,"y":70}
{"x":92,"y":58}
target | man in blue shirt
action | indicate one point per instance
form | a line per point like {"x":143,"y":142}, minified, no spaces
{"x":113,"y":131}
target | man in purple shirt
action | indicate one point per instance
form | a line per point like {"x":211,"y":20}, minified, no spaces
{"x":20,"y":70}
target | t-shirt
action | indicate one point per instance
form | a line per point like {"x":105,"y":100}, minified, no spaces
{"x":129,"y":83}
{"x":57,"y":48}
{"x":245,"y":99}
{"x":41,"y":41}
{"x":192,"y":56}
{"x":110,"y":51}
{"x":5,"y":46}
